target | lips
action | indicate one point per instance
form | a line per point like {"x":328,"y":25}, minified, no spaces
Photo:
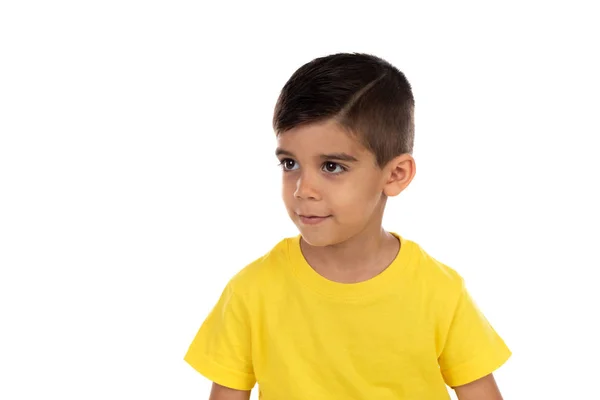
{"x":312,"y":219}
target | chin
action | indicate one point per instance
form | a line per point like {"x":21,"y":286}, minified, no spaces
{"x":316,"y":242}
{"x":318,"y":239}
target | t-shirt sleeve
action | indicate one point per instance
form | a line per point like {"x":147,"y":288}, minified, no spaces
{"x":472,"y":348}
{"x":221,"y":350}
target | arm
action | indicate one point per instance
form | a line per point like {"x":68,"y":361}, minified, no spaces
{"x":481,"y":389}
{"x":219,"y":392}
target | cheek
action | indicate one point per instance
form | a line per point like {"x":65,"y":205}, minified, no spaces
{"x":355,"y":199}
{"x":287,"y":190}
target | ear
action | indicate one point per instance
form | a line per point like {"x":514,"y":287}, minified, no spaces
{"x":399,"y":172}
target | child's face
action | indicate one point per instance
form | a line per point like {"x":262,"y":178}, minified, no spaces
{"x":332,"y":186}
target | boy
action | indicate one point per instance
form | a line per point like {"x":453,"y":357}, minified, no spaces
{"x":346,"y":310}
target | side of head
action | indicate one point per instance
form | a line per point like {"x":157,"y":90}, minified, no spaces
{"x":345,"y":130}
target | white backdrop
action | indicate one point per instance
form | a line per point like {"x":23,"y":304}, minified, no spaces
{"x":136,"y":149}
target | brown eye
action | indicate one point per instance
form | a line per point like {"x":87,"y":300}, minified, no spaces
{"x":333,"y":168}
{"x":288,"y":164}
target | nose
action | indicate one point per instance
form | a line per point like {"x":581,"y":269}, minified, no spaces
{"x":306,"y":188}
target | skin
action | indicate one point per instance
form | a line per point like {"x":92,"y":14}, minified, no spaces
{"x":328,"y":173}
{"x":335,"y":193}
{"x":481,"y":389}
{"x":219,"y":392}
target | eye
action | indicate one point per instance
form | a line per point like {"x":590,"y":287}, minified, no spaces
{"x":288,"y":164}
{"x":333,"y":168}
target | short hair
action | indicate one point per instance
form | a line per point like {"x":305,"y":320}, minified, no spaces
{"x":365,"y":94}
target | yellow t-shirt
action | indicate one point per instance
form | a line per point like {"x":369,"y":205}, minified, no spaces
{"x":404,"y":334}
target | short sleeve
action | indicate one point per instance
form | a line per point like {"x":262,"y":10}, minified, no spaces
{"x":221,"y":350}
{"x":472,"y":348}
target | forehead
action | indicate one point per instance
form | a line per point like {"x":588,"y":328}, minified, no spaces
{"x":324,"y":137}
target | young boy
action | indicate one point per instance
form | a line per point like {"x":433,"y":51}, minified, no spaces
{"x":346,"y":310}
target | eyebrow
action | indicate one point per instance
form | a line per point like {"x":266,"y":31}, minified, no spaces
{"x":330,"y":156}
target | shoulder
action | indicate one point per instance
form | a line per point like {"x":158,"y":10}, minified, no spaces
{"x":439,"y":286}
{"x":266,"y":269}
{"x":435,"y":275}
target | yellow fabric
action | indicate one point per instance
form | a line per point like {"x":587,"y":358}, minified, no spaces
{"x":404,"y":334}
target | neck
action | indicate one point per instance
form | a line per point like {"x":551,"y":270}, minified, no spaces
{"x":372,"y":248}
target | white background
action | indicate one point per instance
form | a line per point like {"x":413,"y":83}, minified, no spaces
{"x":137,"y":175}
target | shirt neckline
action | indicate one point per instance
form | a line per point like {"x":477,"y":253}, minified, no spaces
{"x":375,"y":286}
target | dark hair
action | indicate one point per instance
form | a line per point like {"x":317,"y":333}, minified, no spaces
{"x":366,"y":95}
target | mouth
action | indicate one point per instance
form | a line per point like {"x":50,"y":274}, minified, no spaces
{"x":312,"y":219}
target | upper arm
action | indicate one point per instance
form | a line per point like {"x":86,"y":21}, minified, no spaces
{"x":219,"y":392}
{"x":221,"y":350}
{"x":481,"y":389}
{"x":471,"y":348}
